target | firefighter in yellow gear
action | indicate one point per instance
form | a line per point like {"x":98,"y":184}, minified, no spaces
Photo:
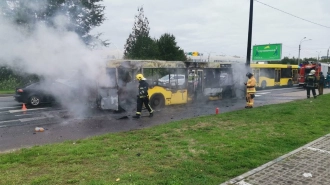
{"x":143,"y":97}
{"x":250,"y":90}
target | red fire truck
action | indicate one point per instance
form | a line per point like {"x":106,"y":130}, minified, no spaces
{"x":304,"y":70}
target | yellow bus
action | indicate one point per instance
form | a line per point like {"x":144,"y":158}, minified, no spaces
{"x":275,"y":75}
{"x":170,"y":82}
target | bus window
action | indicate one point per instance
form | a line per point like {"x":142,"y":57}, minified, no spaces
{"x":286,"y":73}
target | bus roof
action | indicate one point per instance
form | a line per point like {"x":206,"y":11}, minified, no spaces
{"x":273,"y":66}
{"x":165,"y":64}
{"x":145,"y":64}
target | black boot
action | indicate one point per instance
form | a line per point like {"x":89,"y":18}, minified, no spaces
{"x":151,"y":115}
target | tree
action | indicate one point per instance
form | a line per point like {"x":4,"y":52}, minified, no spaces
{"x":144,"y":48}
{"x":82,"y":15}
{"x":137,"y":43}
{"x":168,"y":49}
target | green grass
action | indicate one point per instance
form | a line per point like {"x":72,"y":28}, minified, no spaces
{"x":7,"y":91}
{"x":204,"y":150}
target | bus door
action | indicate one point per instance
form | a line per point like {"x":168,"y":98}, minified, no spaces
{"x":256,"y":74}
{"x":295,"y":76}
{"x":200,"y":77}
{"x":277,"y":77}
{"x":179,"y":91}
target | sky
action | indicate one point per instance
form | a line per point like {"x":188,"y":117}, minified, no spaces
{"x":220,"y":27}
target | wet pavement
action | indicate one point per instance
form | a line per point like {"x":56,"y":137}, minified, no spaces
{"x":17,"y":127}
{"x":307,"y":165}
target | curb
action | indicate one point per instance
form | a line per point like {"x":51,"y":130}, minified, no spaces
{"x":7,"y":95}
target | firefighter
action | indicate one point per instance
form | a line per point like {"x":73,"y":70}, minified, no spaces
{"x":250,"y":90}
{"x":143,"y":97}
{"x":321,"y":83}
{"x":328,"y":80}
{"x":311,"y":83}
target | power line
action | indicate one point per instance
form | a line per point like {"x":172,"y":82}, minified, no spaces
{"x":292,"y":14}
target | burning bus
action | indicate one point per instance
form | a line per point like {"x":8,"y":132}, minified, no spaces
{"x":170,"y":83}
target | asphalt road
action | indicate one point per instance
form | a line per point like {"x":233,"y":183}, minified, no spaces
{"x":17,"y":126}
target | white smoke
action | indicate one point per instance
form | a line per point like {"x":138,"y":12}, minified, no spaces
{"x":52,"y":52}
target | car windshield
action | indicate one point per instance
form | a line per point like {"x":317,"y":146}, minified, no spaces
{"x":173,"y":76}
{"x":165,"y":77}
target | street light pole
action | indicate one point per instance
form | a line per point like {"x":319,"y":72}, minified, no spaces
{"x":328,"y":55}
{"x":299,"y":51}
{"x":318,"y":55}
{"x":302,"y":40}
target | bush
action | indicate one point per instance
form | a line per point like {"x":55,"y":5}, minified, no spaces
{"x":10,"y":79}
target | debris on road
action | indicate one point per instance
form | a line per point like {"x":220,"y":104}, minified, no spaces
{"x":39,"y":129}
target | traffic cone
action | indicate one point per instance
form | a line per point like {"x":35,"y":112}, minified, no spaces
{"x":217,"y":111}
{"x":24,"y":107}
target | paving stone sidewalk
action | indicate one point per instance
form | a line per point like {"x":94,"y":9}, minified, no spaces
{"x":307,"y":165}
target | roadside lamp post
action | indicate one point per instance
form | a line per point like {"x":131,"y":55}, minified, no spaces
{"x":318,"y":55}
{"x":302,"y":40}
{"x":208,"y":56}
{"x":328,"y":55}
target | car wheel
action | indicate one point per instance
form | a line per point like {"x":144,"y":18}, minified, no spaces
{"x":157,"y":101}
{"x":34,"y":100}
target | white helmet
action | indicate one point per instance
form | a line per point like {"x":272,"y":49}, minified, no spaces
{"x":312,"y":71}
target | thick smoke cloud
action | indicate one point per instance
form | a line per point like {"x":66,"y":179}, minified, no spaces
{"x":52,"y":52}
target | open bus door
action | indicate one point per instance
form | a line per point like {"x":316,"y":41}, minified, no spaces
{"x":277,"y":79}
{"x":295,"y":76}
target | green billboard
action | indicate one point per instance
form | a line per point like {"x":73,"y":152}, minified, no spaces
{"x":268,"y":52}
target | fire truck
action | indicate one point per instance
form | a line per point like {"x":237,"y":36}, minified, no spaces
{"x":304,"y":70}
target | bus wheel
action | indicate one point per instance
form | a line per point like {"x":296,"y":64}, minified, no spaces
{"x":290,"y":84}
{"x":263,"y":85}
{"x":157,"y":101}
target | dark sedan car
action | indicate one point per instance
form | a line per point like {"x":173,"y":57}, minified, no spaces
{"x":33,"y":94}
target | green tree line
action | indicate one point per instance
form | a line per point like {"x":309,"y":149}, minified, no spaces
{"x":139,"y":44}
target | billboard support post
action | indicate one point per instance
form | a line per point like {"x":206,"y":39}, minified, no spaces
{"x":248,"y":56}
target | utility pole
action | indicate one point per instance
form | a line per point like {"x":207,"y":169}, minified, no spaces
{"x":300,"y":48}
{"x":328,"y":55}
{"x":248,"y":56}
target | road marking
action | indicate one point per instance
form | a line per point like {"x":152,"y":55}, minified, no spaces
{"x":257,"y":95}
{"x":11,"y":97}
{"x":9,"y":107}
{"x":24,"y":115}
{"x":263,"y":93}
{"x":24,"y":120}
{"x":8,"y":121}
{"x":34,"y":119}
{"x":14,"y":111}
{"x":277,"y":89}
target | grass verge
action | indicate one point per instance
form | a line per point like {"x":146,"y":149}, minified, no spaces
{"x":204,"y":150}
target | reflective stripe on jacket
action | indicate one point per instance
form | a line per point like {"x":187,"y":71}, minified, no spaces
{"x":251,"y":85}
{"x":143,"y":89}
{"x":310,"y":80}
